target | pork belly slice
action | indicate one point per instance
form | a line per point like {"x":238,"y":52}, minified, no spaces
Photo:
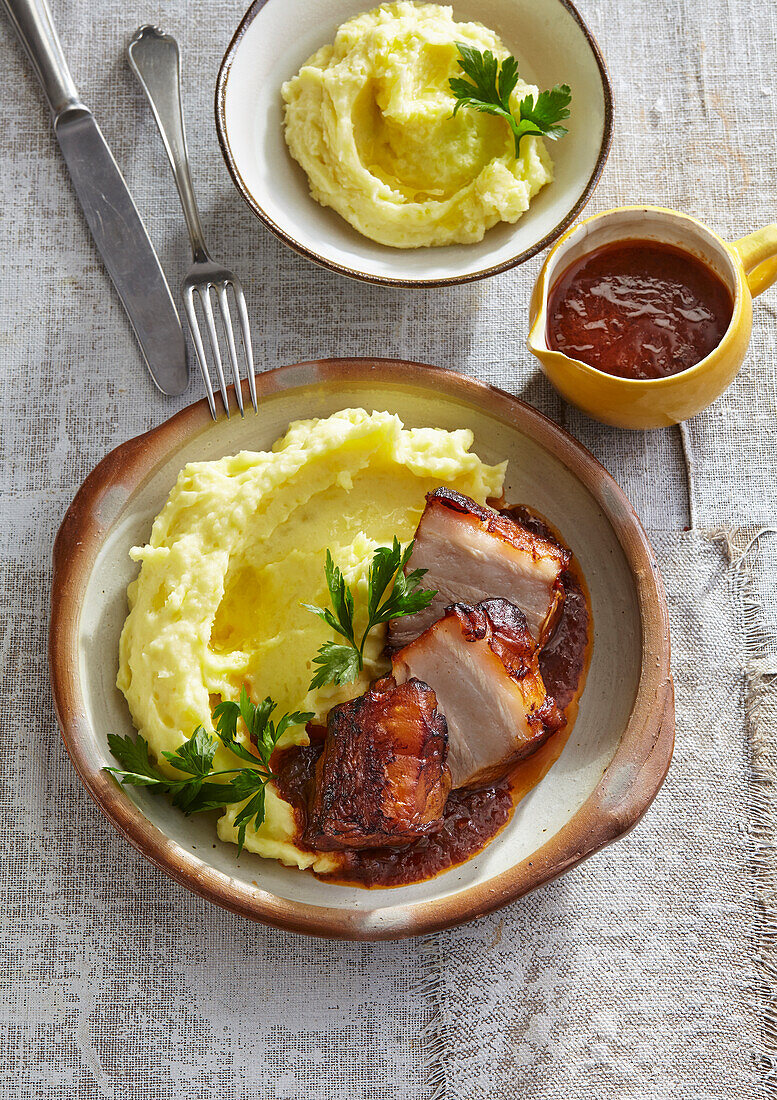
{"x":382,"y":779}
{"x":482,"y":664}
{"x":472,"y":553}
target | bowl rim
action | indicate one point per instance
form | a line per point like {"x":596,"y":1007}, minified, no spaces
{"x":222,"y":132}
{"x":626,"y":789}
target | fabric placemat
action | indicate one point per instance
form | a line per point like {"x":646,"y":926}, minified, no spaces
{"x":646,"y":972}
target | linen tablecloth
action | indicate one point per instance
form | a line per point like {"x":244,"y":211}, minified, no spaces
{"x":648,"y":972}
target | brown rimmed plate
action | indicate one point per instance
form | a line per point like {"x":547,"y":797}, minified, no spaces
{"x":613,"y":763}
{"x":553,"y":45}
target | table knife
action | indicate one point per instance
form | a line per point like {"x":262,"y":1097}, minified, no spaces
{"x":111,"y":214}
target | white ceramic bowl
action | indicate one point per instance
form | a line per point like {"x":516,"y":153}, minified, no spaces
{"x":552,"y":45}
{"x":621,"y":744}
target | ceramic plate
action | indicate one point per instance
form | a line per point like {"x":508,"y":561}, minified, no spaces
{"x":613,"y":763}
{"x":552,"y":45}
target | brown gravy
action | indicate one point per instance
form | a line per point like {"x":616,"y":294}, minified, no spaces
{"x":638,"y":309}
{"x":471,"y":818}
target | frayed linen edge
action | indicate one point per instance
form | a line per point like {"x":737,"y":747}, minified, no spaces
{"x":428,"y":985}
{"x":690,"y":470}
{"x":760,"y":705}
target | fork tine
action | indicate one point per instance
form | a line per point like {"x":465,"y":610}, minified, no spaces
{"x":240,"y":298}
{"x":204,"y":292}
{"x":194,"y":328}
{"x":226,"y":316}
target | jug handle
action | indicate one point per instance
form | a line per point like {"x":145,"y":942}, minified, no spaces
{"x":758,"y":253}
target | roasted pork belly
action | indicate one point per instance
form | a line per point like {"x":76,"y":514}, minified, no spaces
{"x":472,"y":553}
{"x":382,"y":779}
{"x":482,"y":664}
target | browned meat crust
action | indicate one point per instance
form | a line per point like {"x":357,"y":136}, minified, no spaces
{"x":382,"y":779}
{"x":504,"y":626}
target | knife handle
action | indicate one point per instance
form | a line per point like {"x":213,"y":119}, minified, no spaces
{"x":156,"y":61}
{"x":33,"y":23}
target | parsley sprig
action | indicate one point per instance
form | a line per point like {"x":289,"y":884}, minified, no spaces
{"x":489,"y":90}
{"x":390,"y":593}
{"x":198,"y":793}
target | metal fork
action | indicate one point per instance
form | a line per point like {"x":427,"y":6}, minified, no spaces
{"x":156,"y":61}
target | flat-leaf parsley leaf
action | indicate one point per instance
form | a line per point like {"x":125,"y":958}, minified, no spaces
{"x":389,"y":594}
{"x":198,"y":793}
{"x":489,"y":89}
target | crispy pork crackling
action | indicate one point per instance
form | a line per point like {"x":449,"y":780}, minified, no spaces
{"x":382,"y":779}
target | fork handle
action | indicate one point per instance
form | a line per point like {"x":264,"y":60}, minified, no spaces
{"x":32,"y":21}
{"x":156,"y":61}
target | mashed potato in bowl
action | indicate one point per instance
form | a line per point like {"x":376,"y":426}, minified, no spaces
{"x":236,"y":550}
{"x":370,"y":119}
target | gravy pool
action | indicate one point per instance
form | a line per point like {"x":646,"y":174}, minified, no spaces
{"x":638,"y":309}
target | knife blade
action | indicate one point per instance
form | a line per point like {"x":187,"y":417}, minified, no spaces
{"x":108,"y":207}
{"x":125,"y":247}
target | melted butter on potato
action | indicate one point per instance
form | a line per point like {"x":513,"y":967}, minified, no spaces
{"x":370,"y":119}
{"x":236,"y":550}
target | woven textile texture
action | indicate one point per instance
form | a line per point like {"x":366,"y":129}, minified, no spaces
{"x":648,"y":971}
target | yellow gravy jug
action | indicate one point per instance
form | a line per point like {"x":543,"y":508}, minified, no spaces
{"x":746,"y":266}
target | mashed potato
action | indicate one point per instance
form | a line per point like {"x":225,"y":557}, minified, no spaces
{"x":369,"y":118}
{"x":240,"y":544}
